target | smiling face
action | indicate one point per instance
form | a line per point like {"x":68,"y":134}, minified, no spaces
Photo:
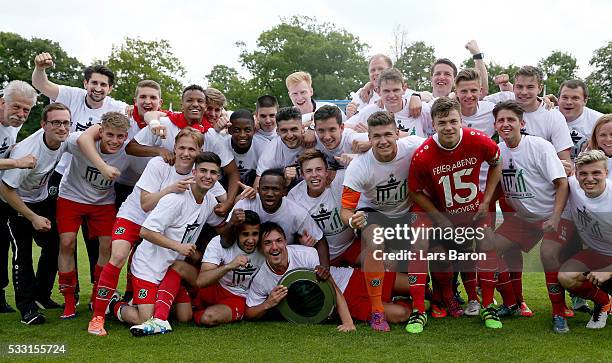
{"x":291,"y":133}
{"x":193,"y":105}
{"x":16,"y":112}
{"x":248,"y":237}
{"x":571,"y":103}
{"x":213,"y":113}
{"x":112,"y":139}
{"x":592,"y":178}
{"x":147,"y":99}
{"x":526,"y":91}
{"x":508,"y":126}
{"x":329,"y":132}
{"x":603,"y":136}
{"x":301,"y":96}
{"x":98,"y":87}
{"x":57,"y":126}
{"x":274,"y":249}
{"x":375,"y":68}
{"x":468,"y":93}
{"x":392,"y":93}
{"x":267,"y":118}
{"x":315,"y":173}
{"x":448,"y":128}
{"x":384,"y":141}
{"x":271,"y":192}
{"x":242,"y":132}
{"x":185,"y":151}
{"x":442,"y":80}
{"x":206,"y":175}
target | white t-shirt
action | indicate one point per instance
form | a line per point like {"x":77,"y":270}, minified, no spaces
{"x":212,"y":141}
{"x":266,"y":279}
{"x":325,"y":210}
{"x":180,"y":218}
{"x":361,"y":104}
{"x":527,"y":177}
{"x":383,"y":185}
{"x":549,"y":125}
{"x":156,"y":176}
{"x":137,"y":163}
{"x":247,"y":162}
{"x":484,"y":121}
{"x":277,"y":155}
{"x":265,"y":135}
{"x":592,"y":216}
{"x":420,"y":126}
{"x":81,"y":115}
{"x":238,"y":280}
{"x":83,"y":182}
{"x":290,"y":216}
{"x":581,"y":129}
{"x":346,"y":143}
{"x":8,"y":137}
{"x":31,"y":184}
{"x":500,"y":97}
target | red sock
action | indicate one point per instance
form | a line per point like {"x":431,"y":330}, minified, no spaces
{"x":166,"y":292}
{"x":514,"y":259}
{"x":516,"y":278}
{"x":67,"y":286}
{"x":504,"y":285}
{"x":469,"y":284}
{"x":107,"y":284}
{"x":486,"y":277}
{"x":417,"y":278}
{"x":197,"y":317}
{"x":556,"y":293}
{"x":94,"y":288}
{"x":445,"y":282}
{"x":374,"y":273}
{"x":589,"y":291}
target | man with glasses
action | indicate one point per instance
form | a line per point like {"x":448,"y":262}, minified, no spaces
{"x":33,"y":211}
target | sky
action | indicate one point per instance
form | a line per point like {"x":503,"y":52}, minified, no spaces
{"x":204,"y":33}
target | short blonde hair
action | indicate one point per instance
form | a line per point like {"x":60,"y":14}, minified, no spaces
{"x":115,"y":120}
{"x":590,"y":157}
{"x":214,"y":97}
{"x":194,"y":134}
{"x":297,"y":77}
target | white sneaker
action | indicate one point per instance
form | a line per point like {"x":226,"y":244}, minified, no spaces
{"x":473,"y":308}
{"x":599,"y":317}
{"x":151,"y":327}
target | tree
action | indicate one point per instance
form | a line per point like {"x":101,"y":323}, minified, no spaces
{"x":239,"y":92}
{"x":415,"y":63}
{"x":334,"y":58}
{"x":17,"y":62}
{"x":558,"y":67}
{"x":137,"y":59}
{"x":600,"y":80}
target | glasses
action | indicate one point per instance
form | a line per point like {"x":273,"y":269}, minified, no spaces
{"x":57,"y":123}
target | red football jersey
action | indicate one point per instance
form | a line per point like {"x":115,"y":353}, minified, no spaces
{"x":451,"y":177}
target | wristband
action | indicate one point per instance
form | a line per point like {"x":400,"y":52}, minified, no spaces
{"x":351,"y":223}
{"x":154,"y":123}
{"x":478,"y":56}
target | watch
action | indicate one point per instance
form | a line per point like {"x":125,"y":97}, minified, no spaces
{"x":478,"y":56}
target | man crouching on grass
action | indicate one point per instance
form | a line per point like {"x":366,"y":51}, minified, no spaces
{"x":349,"y":284}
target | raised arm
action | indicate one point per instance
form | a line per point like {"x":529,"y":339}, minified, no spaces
{"x":480,"y":66}
{"x":39,"y":76}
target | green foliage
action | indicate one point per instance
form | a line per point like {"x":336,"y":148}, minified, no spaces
{"x":334,"y":58}
{"x":415,"y":63}
{"x":17,"y":62}
{"x":600,"y":80}
{"x":239,"y":92}
{"x":137,"y":59}
{"x":558,"y":67}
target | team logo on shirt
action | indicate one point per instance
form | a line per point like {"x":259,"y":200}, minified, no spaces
{"x":323,"y":215}
{"x":240,"y":274}
{"x":53,"y":191}
{"x":80,"y":127}
{"x":586,"y":223}
{"x":191,"y":234}
{"x":92,"y":174}
{"x":383,"y":192}
{"x":120,"y":230}
{"x":142,"y":293}
{"x":514,"y":183}
{"x":4,"y":146}
{"x":241,"y":168}
{"x":579,"y":141}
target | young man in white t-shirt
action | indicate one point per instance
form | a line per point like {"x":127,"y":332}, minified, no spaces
{"x":15,"y":105}
{"x":33,"y":212}
{"x":266,"y":108}
{"x":320,"y":193}
{"x":86,"y":194}
{"x":368,"y":94}
{"x":169,"y":234}
{"x":226,"y":274}
{"x":87,"y":105}
{"x":282,"y":151}
{"x":534,"y":184}
{"x":589,"y":203}
{"x":299,"y":88}
{"x":392,"y":87}
{"x":376,"y":183}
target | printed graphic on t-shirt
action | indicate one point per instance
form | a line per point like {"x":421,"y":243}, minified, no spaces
{"x":383,"y":192}
{"x":514,"y":183}
{"x":587,"y":224}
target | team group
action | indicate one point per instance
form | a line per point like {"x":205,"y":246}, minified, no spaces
{"x":209,"y":209}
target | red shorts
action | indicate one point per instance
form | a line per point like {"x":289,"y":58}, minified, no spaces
{"x":526,"y":234}
{"x":100,"y":218}
{"x":356,"y":294}
{"x":218,"y":295}
{"x":126,"y":230}
{"x":349,"y":257}
{"x":593,"y":260}
{"x":145,"y":293}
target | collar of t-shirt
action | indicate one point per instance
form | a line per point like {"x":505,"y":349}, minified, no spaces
{"x":435,"y":137}
{"x":179,"y":120}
